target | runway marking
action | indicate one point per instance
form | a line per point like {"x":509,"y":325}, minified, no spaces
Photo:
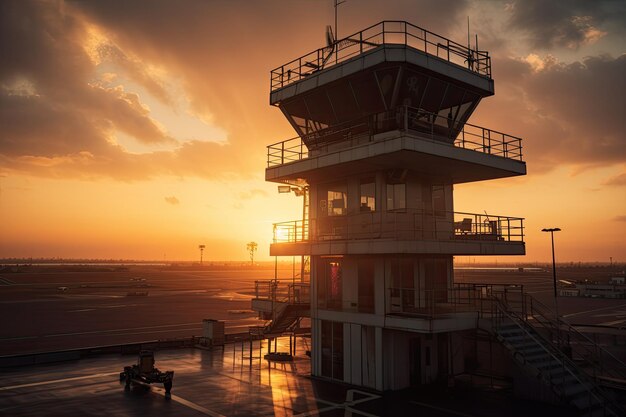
{"x":445,"y":410}
{"x":347,"y":405}
{"x":616,"y":313}
{"x":591,"y":311}
{"x":612,"y":323}
{"x":180,"y":400}
{"x":56,"y":381}
{"x":6,"y":281}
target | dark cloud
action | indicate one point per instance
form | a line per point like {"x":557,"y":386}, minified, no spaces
{"x":58,"y":121}
{"x":620,"y":218}
{"x":566,"y":114}
{"x":567,"y":23}
{"x":587,"y":99}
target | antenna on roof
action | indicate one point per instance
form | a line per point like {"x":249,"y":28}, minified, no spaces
{"x":468,"y":34}
{"x":330,"y":37}
{"x":337,"y":3}
{"x":470,"y":54}
{"x":333,"y":45}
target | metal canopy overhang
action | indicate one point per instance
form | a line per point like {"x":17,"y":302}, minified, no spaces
{"x":387,"y":53}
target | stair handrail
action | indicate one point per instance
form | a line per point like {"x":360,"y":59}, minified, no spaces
{"x":618,"y":370}
{"x":549,"y":348}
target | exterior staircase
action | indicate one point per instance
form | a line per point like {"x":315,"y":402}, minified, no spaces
{"x":544,"y":355}
{"x":285,"y":306}
{"x":286,"y":318}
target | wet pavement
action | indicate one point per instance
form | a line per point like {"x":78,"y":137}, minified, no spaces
{"x":222,"y":382}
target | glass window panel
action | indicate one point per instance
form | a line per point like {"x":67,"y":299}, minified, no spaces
{"x":396,"y":196}
{"x":337,"y":200}
{"x":434,"y":94}
{"x":439,"y":202}
{"x":321,"y":283}
{"x":387,"y":82}
{"x":412,"y":88}
{"x":320,"y":109}
{"x":333,"y":287}
{"x":343,"y":101}
{"x":367,"y":94}
{"x":366,"y":285}
{"x":368,"y":195}
{"x":338,"y":351}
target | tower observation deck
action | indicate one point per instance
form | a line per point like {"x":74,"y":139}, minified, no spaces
{"x":382,"y":136}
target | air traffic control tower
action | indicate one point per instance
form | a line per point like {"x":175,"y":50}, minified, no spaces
{"x":381,"y":118}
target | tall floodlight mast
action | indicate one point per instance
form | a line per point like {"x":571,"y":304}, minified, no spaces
{"x":201,"y":247}
{"x":252,"y":247}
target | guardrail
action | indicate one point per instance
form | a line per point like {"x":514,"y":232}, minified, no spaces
{"x":403,"y":224}
{"x":291,"y":231}
{"x":597,"y":401}
{"x":405,"y":119}
{"x":385,"y":32}
{"x":274,"y":290}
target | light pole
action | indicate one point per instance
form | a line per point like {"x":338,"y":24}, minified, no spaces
{"x":201,"y":247}
{"x":556,"y":305}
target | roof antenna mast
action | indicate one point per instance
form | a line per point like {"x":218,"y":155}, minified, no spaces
{"x":337,"y":3}
{"x":336,"y":36}
{"x":468,"y":34}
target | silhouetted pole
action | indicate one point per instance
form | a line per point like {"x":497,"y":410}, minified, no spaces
{"x":556,"y":304}
{"x":201,"y":247}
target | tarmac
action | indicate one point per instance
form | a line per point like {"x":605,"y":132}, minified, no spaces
{"x":95,"y":310}
{"x":227,"y":382}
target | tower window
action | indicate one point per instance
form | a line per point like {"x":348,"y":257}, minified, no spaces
{"x":337,"y":200}
{"x":396,"y":196}
{"x":439,"y":201}
{"x":368,"y":195}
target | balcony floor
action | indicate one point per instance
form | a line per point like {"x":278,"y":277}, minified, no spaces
{"x":394,"y":150}
{"x":383,"y":246}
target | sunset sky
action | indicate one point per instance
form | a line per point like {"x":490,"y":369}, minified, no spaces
{"x":138,"y":129}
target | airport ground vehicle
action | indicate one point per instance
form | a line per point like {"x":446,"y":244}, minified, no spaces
{"x":145,"y":373}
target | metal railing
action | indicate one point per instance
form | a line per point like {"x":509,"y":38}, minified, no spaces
{"x":273,"y":290}
{"x":291,"y":231}
{"x":410,"y":224}
{"x":566,"y":371}
{"x":432,"y":126}
{"x":439,"y":302}
{"x":385,"y":32}
{"x":588,"y":354}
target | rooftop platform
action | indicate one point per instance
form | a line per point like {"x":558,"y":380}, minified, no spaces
{"x":387,"y":41}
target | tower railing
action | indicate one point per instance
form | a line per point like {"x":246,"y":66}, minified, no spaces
{"x":437,"y":127}
{"x":440,"y":301}
{"x":408,"y":224}
{"x":386,"y":32}
{"x":274,"y":290}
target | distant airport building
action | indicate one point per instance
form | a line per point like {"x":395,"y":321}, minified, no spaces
{"x":382,"y":137}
